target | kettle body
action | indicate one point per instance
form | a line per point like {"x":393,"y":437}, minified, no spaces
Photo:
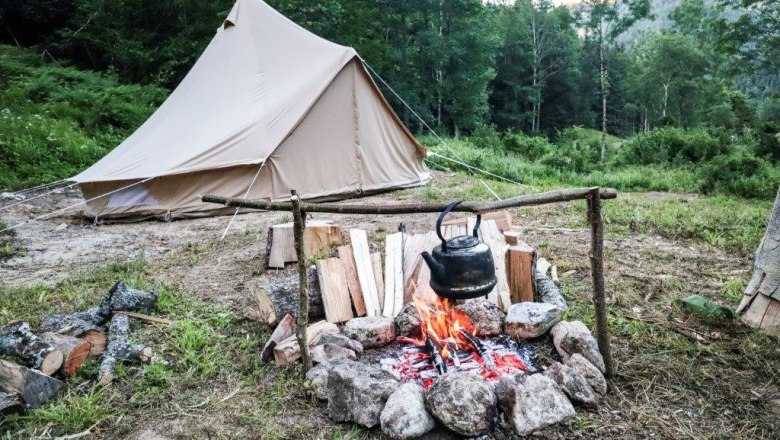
{"x":463,"y":267}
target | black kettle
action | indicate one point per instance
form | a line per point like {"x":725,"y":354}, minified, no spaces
{"x":461,"y":268}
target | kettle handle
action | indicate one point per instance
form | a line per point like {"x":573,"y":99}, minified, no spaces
{"x":475,"y":233}
{"x":443,"y":214}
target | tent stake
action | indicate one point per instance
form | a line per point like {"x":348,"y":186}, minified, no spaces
{"x":303,"y":280}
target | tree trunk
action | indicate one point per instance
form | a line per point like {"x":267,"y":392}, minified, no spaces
{"x":665,"y":100}
{"x":603,"y":80}
{"x":761,"y":304}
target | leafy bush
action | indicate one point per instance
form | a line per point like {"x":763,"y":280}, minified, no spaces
{"x":531,"y":147}
{"x":486,"y":137}
{"x":740,"y":173}
{"x":671,"y":145}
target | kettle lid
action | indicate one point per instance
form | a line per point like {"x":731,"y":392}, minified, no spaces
{"x":462,"y":242}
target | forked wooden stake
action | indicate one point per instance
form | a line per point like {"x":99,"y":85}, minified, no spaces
{"x":303,"y":280}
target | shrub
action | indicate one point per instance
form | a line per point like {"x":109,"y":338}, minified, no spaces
{"x":740,"y":173}
{"x":530,"y":147}
{"x":486,"y":137}
{"x":670,"y":145}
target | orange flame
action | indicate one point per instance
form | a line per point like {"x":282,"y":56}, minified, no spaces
{"x":441,"y":321}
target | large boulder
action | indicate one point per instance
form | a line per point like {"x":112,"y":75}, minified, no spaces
{"x":331,"y":352}
{"x":486,"y":316}
{"x":462,"y":402}
{"x":370,"y":331}
{"x":573,"y":384}
{"x":342,"y":341}
{"x":408,"y":321}
{"x":589,"y":371}
{"x":528,"y":320}
{"x":318,"y":377}
{"x":358,"y":392}
{"x":404,"y":415}
{"x":532,"y":402}
{"x":570,"y":337}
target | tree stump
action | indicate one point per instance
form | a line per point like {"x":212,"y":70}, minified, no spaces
{"x":761,"y":304}
{"x":274,"y":300}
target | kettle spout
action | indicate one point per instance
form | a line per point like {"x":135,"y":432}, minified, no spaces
{"x":437,"y":269}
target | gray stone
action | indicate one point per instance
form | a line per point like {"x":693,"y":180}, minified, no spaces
{"x":404,"y":415}
{"x":11,"y":196}
{"x":318,"y":376}
{"x":549,"y":292}
{"x":358,"y":392}
{"x":408,"y":321}
{"x":331,"y":352}
{"x":532,"y":402}
{"x":573,"y":384}
{"x":589,"y":371}
{"x":570,"y":337}
{"x":486,"y":316}
{"x":462,"y":402}
{"x":371,"y":331}
{"x":527,"y":320}
{"x":342,"y":341}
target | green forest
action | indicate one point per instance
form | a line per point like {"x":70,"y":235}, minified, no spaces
{"x":530,"y":91}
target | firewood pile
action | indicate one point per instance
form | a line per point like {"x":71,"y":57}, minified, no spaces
{"x":63,"y":342}
{"x":361,"y":282}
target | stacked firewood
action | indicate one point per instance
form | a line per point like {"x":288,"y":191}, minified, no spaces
{"x":63,"y":342}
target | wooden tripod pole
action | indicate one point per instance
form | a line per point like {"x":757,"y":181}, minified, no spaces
{"x":597,"y":272}
{"x":303,"y":280}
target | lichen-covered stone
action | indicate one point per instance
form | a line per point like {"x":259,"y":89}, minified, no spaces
{"x":589,"y":371}
{"x":570,"y":337}
{"x":462,"y":402}
{"x":358,"y":392}
{"x":573,"y":384}
{"x":532,"y":402}
{"x":528,"y":320}
{"x":404,"y":415}
{"x":371,"y":331}
{"x":486,"y":316}
{"x":408,"y":321}
{"x":318,"y":376}
{"x":331,"y":352}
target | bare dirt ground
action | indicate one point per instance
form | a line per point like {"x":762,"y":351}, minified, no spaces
{"x":669,"y":386}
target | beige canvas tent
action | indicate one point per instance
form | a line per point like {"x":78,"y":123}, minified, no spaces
{"x":265,"y":95}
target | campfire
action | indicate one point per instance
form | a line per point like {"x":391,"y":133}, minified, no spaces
{"x":450,"y":342}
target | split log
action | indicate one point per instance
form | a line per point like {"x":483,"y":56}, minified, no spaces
{"x":512,"y":236}
{"x":75,"y":351}
{"x":416,"y":274}
{"x":503,"y":220}
{"x":10,"y":404}
{"x":16,"y":339}
{"x":34,"y":387}
{"x":394,"y":277}
{"x":376,"y":266}
{"x":318,"y":237}
{"x":365,"y":271}
{"x":119,"y":348}
{"x":284,"y":330}
{"x":87,"y":324}
{"x":288,"y":351}
{"x":520,"y":262}
{"x":761,"y":304}
{"x":490,"y":234}
{"x":348,"y":260}
{"x":279,"y":298}
{"x":334,"y":290}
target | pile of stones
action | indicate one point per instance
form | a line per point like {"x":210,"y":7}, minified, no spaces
{"x":360,"y":392}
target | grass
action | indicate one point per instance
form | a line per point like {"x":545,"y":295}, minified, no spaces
{"x":8,"y":246}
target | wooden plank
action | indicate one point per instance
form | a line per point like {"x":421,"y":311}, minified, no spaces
{"x":318,"y":237}
{"x":503,"y":220}
{"x":771,"y":321}
{"x":289,"y":351}
{"x":490,"y":234}
{"x":394,"y":279}
{"x":519,"y":271}
{"x":416,"y":272}
{"x":282,"y":245}
{"x":335,"y":293}
{"x":348,"y":260}
{"x":365,"y":271}
{"x":376,"y":265}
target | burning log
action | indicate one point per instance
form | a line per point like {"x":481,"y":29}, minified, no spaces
{"x":86,"y":324}
{"x":18,"y":340}
{"x":119,"y":348}
{"x":436,"y":358}
{"x":487,"y":358}
{"x":34,"y":387}
{"x":75,"y":351}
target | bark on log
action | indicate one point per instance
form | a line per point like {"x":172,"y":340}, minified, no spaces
{"x":119,"y":348}
{"x":548,"y":292}
{"x":34,"y":387}
{"x":303,"y":281}
{"x":284,"y":330}
{"x":760,"y":306}
{"x":75,"y":351}
{"x":18,"y":340}
{"x":10,"y":404}
{"x":274,"y":300}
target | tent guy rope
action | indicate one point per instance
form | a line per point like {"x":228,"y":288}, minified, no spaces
{"x":233,"y":217}
{"x":22,"y":202}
